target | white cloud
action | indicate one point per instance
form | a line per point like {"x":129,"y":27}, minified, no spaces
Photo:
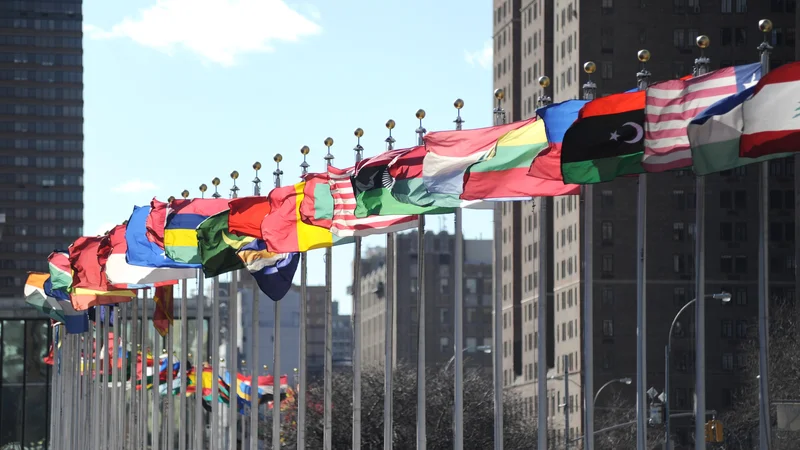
{"x":219,"y":31}
{"x":135,"y":186}
{"x":482,"y":58}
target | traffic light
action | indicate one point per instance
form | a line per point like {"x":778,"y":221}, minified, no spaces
{"x":714,"y":431}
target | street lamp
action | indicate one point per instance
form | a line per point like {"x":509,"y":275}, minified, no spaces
{"x":626,"y":380}
{"x":480,"y":348}
{"x":725,"y":297}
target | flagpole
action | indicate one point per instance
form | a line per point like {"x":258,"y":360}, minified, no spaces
{"x":184,"y":365}
{"x":106,"y":418}
{"x":120,"y":343}
{"x":589,"y":93}
{"x":765,"y":432}
{"x":54,"y":393}
{"x":701,"y":68}
{"x":124,"y":408}
{"x":66,"y":353}
{"x":388,"y":366}
{"x":113,"y":402}
{"x":327,"y":429}
{"x":156,"y":439}
{"x":542,"y":300}
{"x":356,"y":318}
{"x":214,"y":415}
{"x":199,"y":428}
{"x":233,"y":356}
{"x":78,"y":406}
{"x":97,"y":384}
{"x":497,"y":280}
{"x":422,"y":437}
{"x":643,"y":77}
{"x":144,"y":401}
{"x":169,"y":415}
{"x":133,"y":421}
{"x":301,"y":395}
{"x":276,"y":352}
{"x":458,"y":332}
{"x":254,"y":358}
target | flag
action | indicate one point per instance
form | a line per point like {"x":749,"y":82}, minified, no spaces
{"x":715,"y":134}
{"x":86,"y":270}
{"x":345,"y":223}
{"x":246,"y":215}
{"x":83,"y":299}
{"x":391,"y":184}
{"x":273,"y":272}
{"x":75,"y":321}
{"x":317,"y":205}
{"x":120,"y":273}
{"x":771,"y":116}
{"x":163,"y":312}
{"x":557,"y":117}
{"x":284,"y":231}
{"x":60,"y":270}
{"x":156,"y":221}
{"x":36,"y":297}
{"x":180,"y":232}
{"x":671,"y":105}
{"x":504,"y":172}
{"x":606,"y":141}
{"x":142,"y":252}
{"x":450,"y":153}
{"x":218,"y":246}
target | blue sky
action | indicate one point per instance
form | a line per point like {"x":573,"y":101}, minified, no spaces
{"x":178,"y":92}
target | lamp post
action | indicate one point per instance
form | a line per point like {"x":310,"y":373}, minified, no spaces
{"x":725,"y":297}
{"x":626,"y":380}
{"x":480,"y":348}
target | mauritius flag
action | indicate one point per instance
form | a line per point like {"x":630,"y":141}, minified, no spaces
{"x":180,"y":232}
{"x":503,"y":174}
{"x":558,"y":117}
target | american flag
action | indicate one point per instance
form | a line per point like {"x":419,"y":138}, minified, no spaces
{"x":671,"y":105}
{"x":345,"y":223}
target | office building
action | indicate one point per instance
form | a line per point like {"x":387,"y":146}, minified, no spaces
{"x":439,"y":282}
{"x":554,"y":38}
{"x":41,"y":135}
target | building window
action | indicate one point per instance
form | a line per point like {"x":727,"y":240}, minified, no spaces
{"x":607,"y":199}
{"x":608,"y":264}
{"x":726,"y":231}
{"x":740,"y":37}
{"x":678,"y":231}
{"x":607,"y":232}
{"x":444,"y":316}
{"x":607,"y":40}
{"x":740,"y":264}
{"x":444,"y":344}
{"x":607,"y":70}
{"x":727,"y":329}
{"x":679,"y":38}
{"x":727,"y":361}
{"x":679,"y":296}
{"x":608,"y":328}
{"x":741,"y":329}
{"x":726,"y":264}
{"x":726,"y":6}
{"x":679,"y":199}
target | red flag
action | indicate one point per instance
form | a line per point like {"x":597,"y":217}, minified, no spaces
{"x":156,"y":221}
{"x":246,"y":215}
{"x":163,"y":313}
{"x":86,"y":269}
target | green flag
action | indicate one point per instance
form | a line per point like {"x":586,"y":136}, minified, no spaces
{"x":219,"y":247}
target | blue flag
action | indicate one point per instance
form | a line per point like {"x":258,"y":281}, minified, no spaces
{"x":142,"y":252}
{"x":273,"y":272}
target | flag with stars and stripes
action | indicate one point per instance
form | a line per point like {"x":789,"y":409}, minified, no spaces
{"x":671,"y":105}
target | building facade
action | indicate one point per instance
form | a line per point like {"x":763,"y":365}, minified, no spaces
{"x":438,"y":285}
{"x":554,"y":38}
{"x":41,"y":134}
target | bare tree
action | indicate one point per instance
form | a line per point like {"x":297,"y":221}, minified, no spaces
{"x":519,"y":423}
{"x":741,"y":422}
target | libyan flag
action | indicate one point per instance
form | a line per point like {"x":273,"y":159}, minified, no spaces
{"x":607,"y":140}
{"x":391,"y":184}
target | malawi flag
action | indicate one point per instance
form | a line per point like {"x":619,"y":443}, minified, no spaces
{"x":218,"y":246}
{"x":771,"y":117}
{"x":246,"y":215}
{"x":180,"y":232}
{"x":284,"y":231}
{"x":606,"y":141}
{"x":504,"y":173}
{"x":558,"y":117}
{"x":376,"y":181}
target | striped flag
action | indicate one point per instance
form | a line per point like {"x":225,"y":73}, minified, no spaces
{"x":345,"y":222}
{"x":671,"y":105}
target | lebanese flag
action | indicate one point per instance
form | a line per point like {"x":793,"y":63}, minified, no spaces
{"x":772,"y":115}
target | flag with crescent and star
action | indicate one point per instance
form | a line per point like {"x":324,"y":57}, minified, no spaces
{"x":672,"y":105}
{"x":606,"y":141}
